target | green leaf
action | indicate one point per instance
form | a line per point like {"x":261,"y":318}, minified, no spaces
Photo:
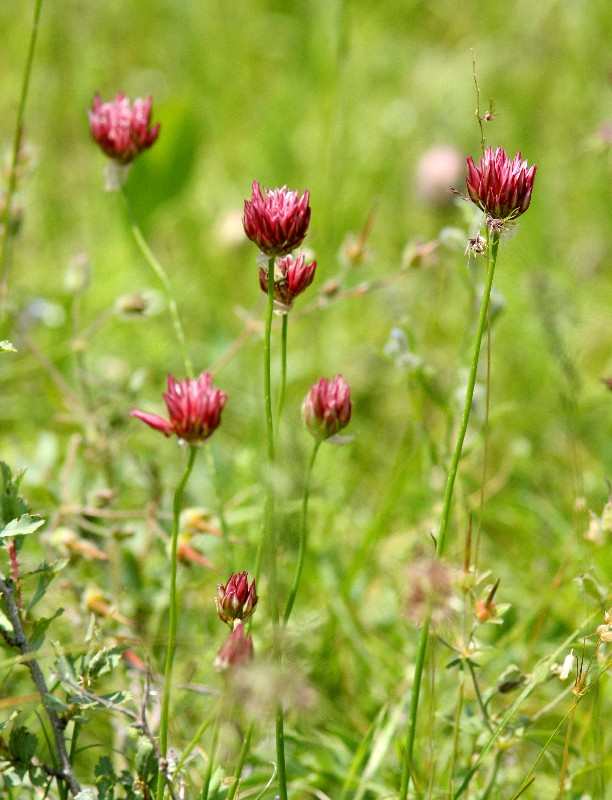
{"x":21,"y":526}
{"x":39,"y":629}
{"x":12,"y":505}
{"x":22,"y":745}
{"x":6,"y":346}
{"x":46,"y":572}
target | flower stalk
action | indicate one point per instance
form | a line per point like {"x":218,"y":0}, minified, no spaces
{"x":173,"y":614}
{"x":448,"y":496}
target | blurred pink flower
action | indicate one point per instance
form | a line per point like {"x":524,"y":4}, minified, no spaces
{"x":291,"y":277}
{"x":236,"y":600}
{"x":235,"y":651}
{"x":327,"y":407}
{"x":122,"y":129}
{"x":277,"y":221}
{"x":500,"y":187}
{"x":194,"y":408}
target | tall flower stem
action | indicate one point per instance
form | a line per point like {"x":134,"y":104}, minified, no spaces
{"x":283,"y":380}
{"x":165,"y":281}
{"x":17,"y":141}
{"x":303,"y":534}
{"x":448,"y":497}
{"x":270,"y":532}
{"x":173,"y":614}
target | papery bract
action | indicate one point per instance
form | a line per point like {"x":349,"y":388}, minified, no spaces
{"x":122,"y":129}
{"x":277,"y":220}
{"x":292,"y":276}
{"x":236,"y":600}
{"x":327,"y":407}
{"x":500,"y":187}
{"x":194,"y":408}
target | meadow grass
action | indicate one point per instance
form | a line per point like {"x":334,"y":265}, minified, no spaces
{"x":342,"y":99}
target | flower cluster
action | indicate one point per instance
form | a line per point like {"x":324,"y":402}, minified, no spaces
{"x":194,"y":408}
{"x":327,"y":407}
{"x":122,"y":129}
{"x":500,"y":187}
{"x":277,"y":220}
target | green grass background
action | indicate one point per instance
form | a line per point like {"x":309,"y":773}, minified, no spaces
{"x":340,"y":98}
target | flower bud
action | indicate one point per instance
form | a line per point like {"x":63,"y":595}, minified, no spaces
{"x":235,"y":651}
{"x":291,"y":277}
{"x":122,"y":129}
{"x":327,"y":407}
{"x":236,"y":600}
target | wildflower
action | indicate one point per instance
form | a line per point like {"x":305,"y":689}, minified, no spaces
{"x":291,"y":277}
{"x":235,"y":651}
{"x":438,"y":168}
{"x":236,"y":600}
{"x":327,"y":407}
{"x":500,"y":187}
{"x":122,"y":129}
{"x":194,"y":408}
{"x":277,"y":221}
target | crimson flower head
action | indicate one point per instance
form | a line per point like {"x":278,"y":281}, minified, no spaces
{"x":327,"y":407}
{"x":235,"y":651}
{"x":236,"y":600}
{"x":500,"y":187}
{"x":122,"y":129}
{"x":291,"y":277}
{"x":194,"y":408}
{"x":277,"y":220}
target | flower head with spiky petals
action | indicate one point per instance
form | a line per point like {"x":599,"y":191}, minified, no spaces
{"x":236,"y":600}
{"x":327,"y":407}
{"x":276,"y":220}
{"x":500,"y":187}
{"x":194,"y":408}
{"x":122,"y":129}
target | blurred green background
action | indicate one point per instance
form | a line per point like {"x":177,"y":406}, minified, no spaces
{"x":343,"y":99}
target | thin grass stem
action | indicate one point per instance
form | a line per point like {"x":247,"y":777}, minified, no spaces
{"x":234,"y":788}
{"x":17,"y":141}
{"x":157,"y":268}
{"x":303,"y":534}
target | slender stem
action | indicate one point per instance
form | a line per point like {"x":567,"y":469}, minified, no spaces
{"x":270,"y":532}
{"x":165,"y":281}
{"x":192,"y":744}
{"x":12,"y":176}
{"x":211,"y":755}
{"x":303,"y":535}
{"x":173,"y":614}
{"x":283,"y":380}
{"x":448,"y":496}
{"x":246,"y":743}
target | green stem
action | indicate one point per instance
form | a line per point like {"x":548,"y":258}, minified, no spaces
{"x":270,"y":532}
{"x":283,"y":380}
{"x":303,"y":535}
{"x":192,"y":744}
{"x":448,"y":496}
{"x":246,"y":743}
{"x":211,"y":756}
{"x":12,"y":176}
{"x":165,"y":281}
{"x":173,"y":620}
